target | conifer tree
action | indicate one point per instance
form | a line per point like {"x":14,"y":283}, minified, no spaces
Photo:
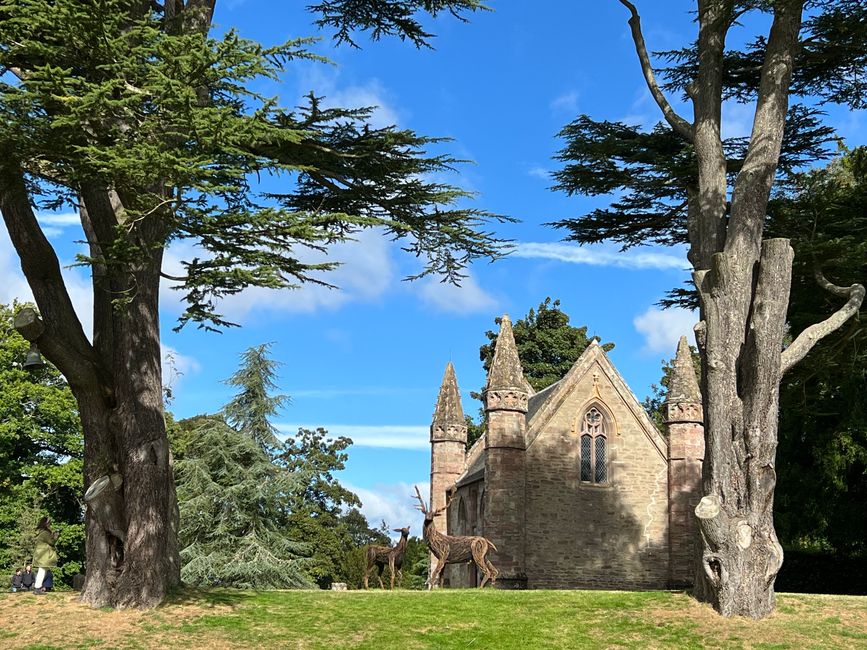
{"x":682,"y":183}
{"x":149,"y":127}
{"x":233,"y":529}
{"x":252,"y":408}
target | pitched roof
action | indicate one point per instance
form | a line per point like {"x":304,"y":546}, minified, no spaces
{"x":553,"y":400}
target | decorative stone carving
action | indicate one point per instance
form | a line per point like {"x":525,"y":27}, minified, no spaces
{"x":683,"y":412}
{"x":506,"y":400}
{"x":440,"y":432}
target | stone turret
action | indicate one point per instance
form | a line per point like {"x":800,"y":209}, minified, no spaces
{"x":448,"y":438}
{"x":506,"y":397}
{"x":684,"y":422}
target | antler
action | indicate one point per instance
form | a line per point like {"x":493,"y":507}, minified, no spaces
{"x":446,"y":506}
{"x":421,"y":507}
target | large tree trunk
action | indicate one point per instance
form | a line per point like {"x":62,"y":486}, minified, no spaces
{"x":744,"y":309}
{"x":132,"y":554}
{"x":131,"y":521}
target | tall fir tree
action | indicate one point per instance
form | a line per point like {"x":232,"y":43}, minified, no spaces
{"x":233,"y":516}
{"x":255,"y":403}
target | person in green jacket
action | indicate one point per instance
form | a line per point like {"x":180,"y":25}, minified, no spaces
{"x":44,"y":555}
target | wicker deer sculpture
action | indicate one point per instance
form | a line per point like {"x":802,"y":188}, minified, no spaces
{"x":455,"y":549}
{"x":380,"y":556}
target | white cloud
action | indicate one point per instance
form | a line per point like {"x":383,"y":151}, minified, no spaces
{"x":394,"y":503}
{"x":365,"y":273}
{"x":371,"y":94}
{"x":600,"y":255}
{"x":14,"y":286}
{"x":176,"y":365}
{"x":392,"y":436}
{"x":326,"y":83}
{"x":567,"y":102}
{"x":663,"y":328}
{"x":60,"y":220}
{"x":540,"y":172}
{"x":469,"y":297}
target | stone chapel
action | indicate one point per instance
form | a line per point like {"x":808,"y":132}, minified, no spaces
{"x":573,"y":484}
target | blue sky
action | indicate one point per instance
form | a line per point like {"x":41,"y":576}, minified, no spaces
{"x":366,"y":361}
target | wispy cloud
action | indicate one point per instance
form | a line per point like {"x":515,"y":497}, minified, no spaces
{"x":662,"y":328}
{"x":540,"y":172}
{"x":330,"y":393}
{"x":566,"y":102}
{"x":14,"y":286}
{"x":59,"y":220}
{"x":392,"y":436}
{"x":176,"y":365}
{"x":599,"y":256}
{"x":467,"y":298}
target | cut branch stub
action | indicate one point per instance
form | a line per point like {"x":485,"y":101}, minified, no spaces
{"x":28,"y":324}
{"x":104,"y":500}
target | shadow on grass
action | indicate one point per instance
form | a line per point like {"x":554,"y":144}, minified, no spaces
{"x":210,"y":597}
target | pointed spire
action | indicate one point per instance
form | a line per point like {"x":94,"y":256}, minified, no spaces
{"x":506,"y":371}
{"x":682,"y":385}
{"x":448,"y":408}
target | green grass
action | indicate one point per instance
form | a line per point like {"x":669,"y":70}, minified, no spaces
{"x":441,"y":619}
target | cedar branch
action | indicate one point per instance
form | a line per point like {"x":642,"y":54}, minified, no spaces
{"x":816,"y":332}
{"x":681,"y":126}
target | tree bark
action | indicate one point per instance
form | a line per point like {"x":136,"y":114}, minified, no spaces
{"x":131,"y":556}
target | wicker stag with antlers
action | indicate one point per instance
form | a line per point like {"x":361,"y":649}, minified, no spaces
{"x":380,"y":556}
{"x":454,"y":549}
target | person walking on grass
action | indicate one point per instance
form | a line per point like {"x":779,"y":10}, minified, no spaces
{"x":44,"y":555}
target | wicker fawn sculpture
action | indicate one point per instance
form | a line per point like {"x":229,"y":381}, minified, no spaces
{"x":380,"y":556}
{"x":452,"y":549}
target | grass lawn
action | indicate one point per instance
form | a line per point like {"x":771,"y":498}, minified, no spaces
{"x":441,"y":619}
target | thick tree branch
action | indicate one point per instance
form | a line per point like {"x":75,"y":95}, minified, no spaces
{"x":680,"y":125}
{"x":753,"y":184}
{"x":63,"y":342}
{"x":707,"y":230}
{"x":815,"y":333}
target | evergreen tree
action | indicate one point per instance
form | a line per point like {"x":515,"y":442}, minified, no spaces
{"x":232,"y":511}
{"x":683,"y":183}
{"x":316,"y":504}
{"x":130,"y":113}
{"x":822,"y":457}
{"x":548,"y":346}
{"x":251,"y":409}
{"x":41,"y":448}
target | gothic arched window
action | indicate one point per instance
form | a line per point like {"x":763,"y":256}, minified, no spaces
{"x":594,"y":447}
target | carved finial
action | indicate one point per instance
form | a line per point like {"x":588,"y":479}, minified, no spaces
{"x":683,"y":385}
{"x":506,"y":371}
{"x":448,"y":409}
